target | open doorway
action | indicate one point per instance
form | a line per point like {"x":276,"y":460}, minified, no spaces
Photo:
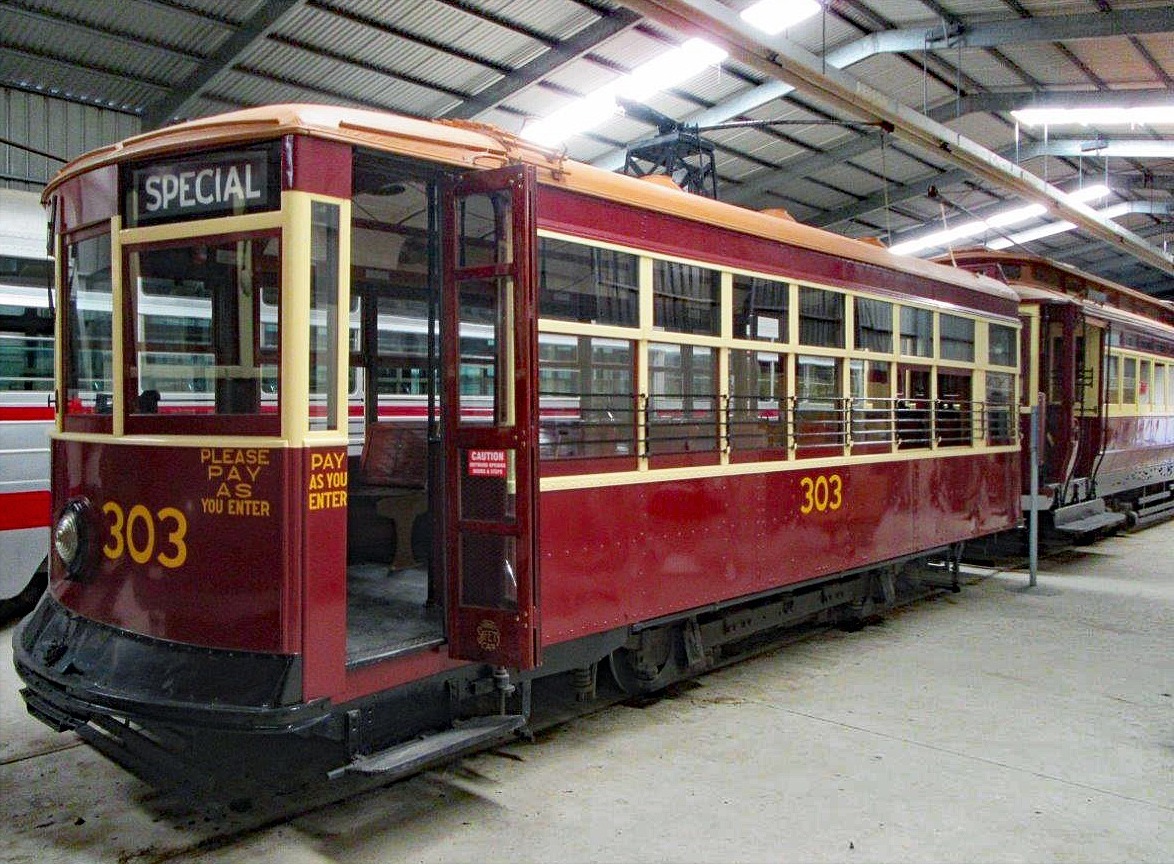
{"x":394,"y":579}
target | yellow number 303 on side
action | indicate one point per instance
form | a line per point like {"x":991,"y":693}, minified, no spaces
{"x":822,"y":493}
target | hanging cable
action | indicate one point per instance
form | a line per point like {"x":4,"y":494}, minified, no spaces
{"x":885,"y":173}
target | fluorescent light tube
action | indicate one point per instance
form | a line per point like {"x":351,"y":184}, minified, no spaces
{"x":775,"y":16}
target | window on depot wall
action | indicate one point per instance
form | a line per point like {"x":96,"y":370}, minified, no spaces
{"x":587,"y":284}
{"x":760,"y":309}
{"x":821,"y":318}
{"x":686,"y":298}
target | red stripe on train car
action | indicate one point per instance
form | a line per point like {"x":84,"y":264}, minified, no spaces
{"x":24,"y":510}
{"x":10,"y":413}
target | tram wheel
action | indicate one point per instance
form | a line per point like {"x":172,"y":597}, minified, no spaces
{"x":652,"y":667}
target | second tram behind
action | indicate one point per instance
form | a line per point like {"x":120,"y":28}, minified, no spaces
{"x":646,"y":429}
{"x":1098,"y":361}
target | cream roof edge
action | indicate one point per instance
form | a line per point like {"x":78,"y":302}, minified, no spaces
{"x":476,"y":145}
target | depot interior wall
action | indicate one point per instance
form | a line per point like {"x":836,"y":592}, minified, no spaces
{"x":59,"y":128}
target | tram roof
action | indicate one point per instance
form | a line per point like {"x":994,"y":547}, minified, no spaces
{"x":1119,"y":295}
{"x":478,"y":145}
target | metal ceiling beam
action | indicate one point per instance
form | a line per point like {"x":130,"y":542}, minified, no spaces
{"x":1056,"y":27}
{"x":583,"y":42}
{"x":780,"y":58}
{"x":919,"y":187}
{"x":805,"y":167}
{"x":255,"y":28}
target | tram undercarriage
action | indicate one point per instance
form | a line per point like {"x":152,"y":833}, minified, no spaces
{"x":236,"y":745}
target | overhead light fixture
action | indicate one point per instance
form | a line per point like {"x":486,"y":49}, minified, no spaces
{"x":669,"y":69}
{"x":1005,"y":219}
{"x":775,"y":16}
{"x":1142,"y":115}
{"x":1053,"y":228}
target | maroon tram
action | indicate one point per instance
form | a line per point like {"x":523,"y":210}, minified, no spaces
{"x":1099,"y":359}
{"x":647,"y":428}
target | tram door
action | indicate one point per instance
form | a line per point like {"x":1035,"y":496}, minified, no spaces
{"x":490,"y":417}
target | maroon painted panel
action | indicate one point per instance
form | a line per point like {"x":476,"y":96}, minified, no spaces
{"x":322,"y":505}
{"x":88,"y":198}
{"x":316,"y":165}
{"x":1135,"y":443}
{"x":191,"y":542}
{"x":595,"y":218}
{"x":619,"y":554}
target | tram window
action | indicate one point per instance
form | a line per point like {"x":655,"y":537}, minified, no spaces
{"x":872,"y":403}
{"x":819,"y":407}
{"x":586,"y":399}
{"x":1143,"y":383}
{"x":914,"y":413}
{"x":1113,"y":378}
{"x":916,"y":332}
{"x":758,"y":398}
{"x":760,"y":309}
{"x":324,"y":316}
{"x":1000,"y":427}
{"x":957,"y":335}
{"x":587,"y":284}
{"x":952,"y":411}
{"x":89,"y":378}
{"x":686,"y":298}
{"x":821,"y":318}
{"x":1160,"y":383}
{"x":874,"y":325}
{"x":1000,"y":345}
{"x":1129,"y":380}
{"x":682,"y":402}
{"x":197,"y":329}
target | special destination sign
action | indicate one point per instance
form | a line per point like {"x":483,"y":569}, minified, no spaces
{"x":215,"y":184}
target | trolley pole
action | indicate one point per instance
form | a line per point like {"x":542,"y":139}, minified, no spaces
{"x":1033,"y":513}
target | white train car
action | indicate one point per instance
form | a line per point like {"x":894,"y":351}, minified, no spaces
{"x":26,"y":393}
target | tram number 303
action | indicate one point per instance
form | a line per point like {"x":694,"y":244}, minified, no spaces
{"x":145,"y":535}
{"x":821,"y":493}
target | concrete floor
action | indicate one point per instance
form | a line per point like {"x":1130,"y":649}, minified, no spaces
{"x":995,"y":725}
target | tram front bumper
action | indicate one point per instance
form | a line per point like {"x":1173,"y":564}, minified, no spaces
{"x":75,"y":669}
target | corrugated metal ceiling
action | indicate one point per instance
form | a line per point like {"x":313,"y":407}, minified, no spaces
{"x":162,"y":58}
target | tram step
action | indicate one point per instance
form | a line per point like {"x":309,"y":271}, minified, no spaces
{"x":1096,"y":522}
{"x":404,"y":759}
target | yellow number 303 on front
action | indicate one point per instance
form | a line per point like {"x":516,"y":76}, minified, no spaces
{"x":134,"y":533}
{"x":822,"y":493}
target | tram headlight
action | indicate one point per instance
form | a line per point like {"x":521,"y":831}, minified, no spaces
{"x":70,"y":536}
